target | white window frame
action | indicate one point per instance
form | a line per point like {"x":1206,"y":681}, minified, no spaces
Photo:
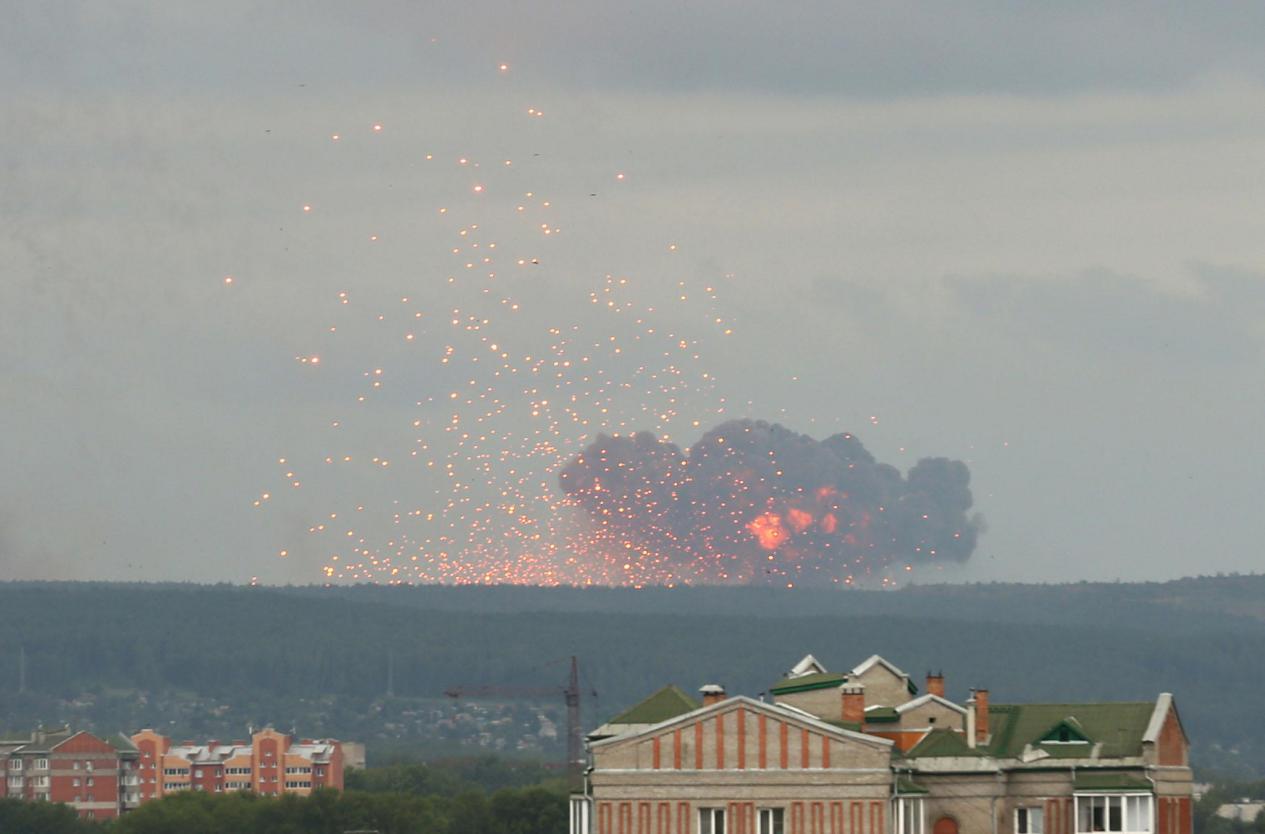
{"x":908,"y":815}
{"x":711,"y":821}
{"x":41,"y":764}
{"x":1137,"y":812}
{"x":15,"y":765}
{"x":771,"y":821}
{"x":1030,"y":814}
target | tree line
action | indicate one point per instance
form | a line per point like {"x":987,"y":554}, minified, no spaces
{"x":1201,"y":640}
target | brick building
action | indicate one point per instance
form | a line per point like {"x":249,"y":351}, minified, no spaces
{"x":862,"y":752}
{"x":269,"y":763}
{"x":97,"y":777}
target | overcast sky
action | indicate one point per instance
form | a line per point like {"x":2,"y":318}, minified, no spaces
{"x":1026,"y":235}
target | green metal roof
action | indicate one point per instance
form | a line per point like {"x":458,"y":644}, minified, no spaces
{"x":805,"y":683}
{"x":1112,"y":780}
{"x":668,"y":702}
{"x":1067,"y":731}
{"x":880,"y":715}
{"x":844,"y":725}
{"x":942,"y":743}
{"x":1118,"y":727}
{"x":906,"y":785}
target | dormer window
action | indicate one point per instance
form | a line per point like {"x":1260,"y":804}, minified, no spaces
{"x":1067,"y":731}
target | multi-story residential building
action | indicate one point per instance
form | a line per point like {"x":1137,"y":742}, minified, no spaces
{"x":269,"y":763}
{"x":95,"y":776}
{"x":862,"y":752}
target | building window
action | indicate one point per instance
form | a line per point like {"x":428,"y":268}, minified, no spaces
{"x":1127,"y":813}
{"x":75,"y":782}
{"x":909,"y":815}
{"x":770,"y":821}
{"x":711,"y":821}
{"x":41,"y":764}
{"x":1029,"y":821}
{"x":15,"y":765}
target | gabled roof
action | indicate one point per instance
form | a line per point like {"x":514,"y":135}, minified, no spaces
{"x":805,"y":683}
{"x":1163,"y":705}
{"x":930,"y":697}
{"x":1119,"y":728}
{"x":876,"y":660}
{"x":879,"y":713}
{"x":668,"y":702}
{"x":776,"y":710}
{"x":942,"y":743}
{"x":808,"y":666}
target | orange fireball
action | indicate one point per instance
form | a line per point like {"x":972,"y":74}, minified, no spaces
{"x":799,"y":520}
{"x":768,"y":531}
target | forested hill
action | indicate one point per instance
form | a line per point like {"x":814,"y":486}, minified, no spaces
{"x":1202,"y":639}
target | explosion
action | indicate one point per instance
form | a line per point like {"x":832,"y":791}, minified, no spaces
{"x":756,"y":502}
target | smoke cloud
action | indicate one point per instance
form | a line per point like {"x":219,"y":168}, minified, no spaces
{"x":756,"y":502}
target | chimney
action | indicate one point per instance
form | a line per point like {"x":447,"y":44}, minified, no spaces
{"x":853,"y":703}
{"x":713,"y":693}
{"x":981,"y":716}
{"x":935,"y":683}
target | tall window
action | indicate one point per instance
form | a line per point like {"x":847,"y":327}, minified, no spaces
{"x":41,"y":764}
{"x":770,"y":821}
{"x":1029,"y":821}
{"x":711,"y":821}
{"x":907,"y":815}
{"x":1125,"y":813}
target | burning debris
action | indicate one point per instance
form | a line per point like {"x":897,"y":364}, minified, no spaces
{"x":756,"y":502}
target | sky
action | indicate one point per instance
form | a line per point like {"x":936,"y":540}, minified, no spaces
{"x":1023,"y":235}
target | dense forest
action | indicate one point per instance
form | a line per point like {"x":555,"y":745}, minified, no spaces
{"x":323,"y":658}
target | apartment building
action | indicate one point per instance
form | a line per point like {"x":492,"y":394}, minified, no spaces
{"x":269,"y":763}
{"x":98,"y":777}
{"x":865,"y":752}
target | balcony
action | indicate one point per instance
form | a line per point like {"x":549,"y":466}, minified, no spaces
{"x":131,"y":781}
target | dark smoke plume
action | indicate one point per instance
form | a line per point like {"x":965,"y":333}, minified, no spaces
{"x":753,"y":502}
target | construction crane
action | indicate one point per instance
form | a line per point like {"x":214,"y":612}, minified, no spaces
{"x":571,"y":695}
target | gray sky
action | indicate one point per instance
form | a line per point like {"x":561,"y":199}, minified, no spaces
{"x":1027,"y":235}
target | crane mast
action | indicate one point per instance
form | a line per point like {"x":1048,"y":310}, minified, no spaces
{"x":571,"y":695}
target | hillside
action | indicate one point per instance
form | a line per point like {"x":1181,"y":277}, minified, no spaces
{"x":209,"y":659}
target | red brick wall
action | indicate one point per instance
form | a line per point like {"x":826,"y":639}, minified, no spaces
{"x":1172,"y":741}
{"x":149,"y":766}
{"x":85,"y":743}
{"x":268,"y":769}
